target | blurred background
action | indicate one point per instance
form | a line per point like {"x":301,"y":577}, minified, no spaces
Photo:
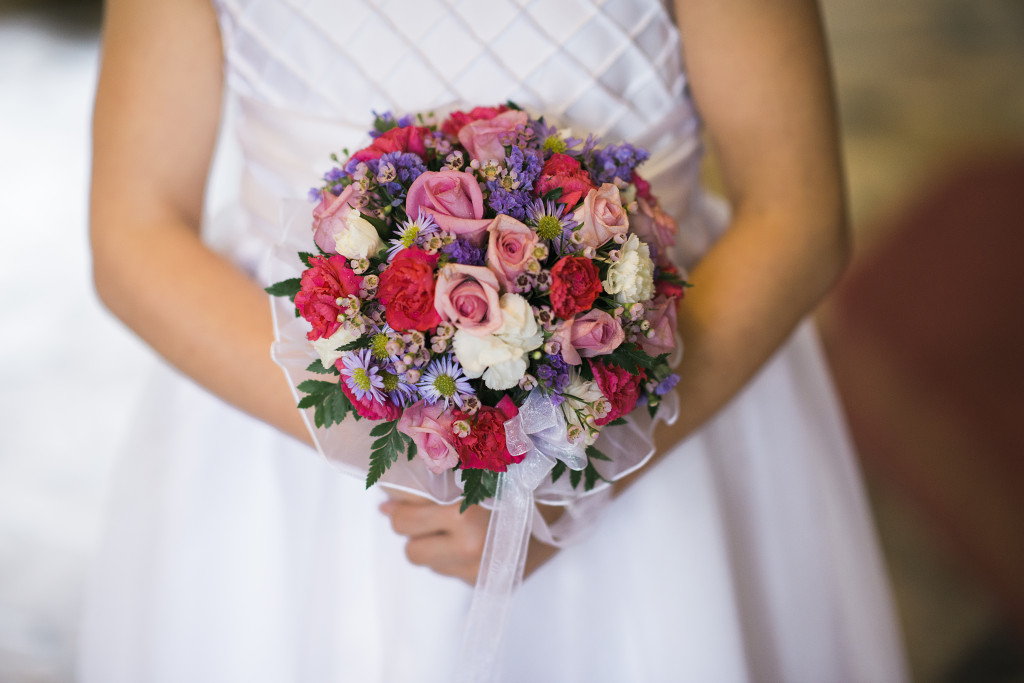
{"x":924,"y":333}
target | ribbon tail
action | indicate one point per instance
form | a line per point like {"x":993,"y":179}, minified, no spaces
{"x":501,"y":572}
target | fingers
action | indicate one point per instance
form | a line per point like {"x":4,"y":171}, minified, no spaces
{"x":441,"y":538}
{"x":415,"y":519}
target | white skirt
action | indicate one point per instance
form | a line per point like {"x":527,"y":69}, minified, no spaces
{"x":234,"y":553}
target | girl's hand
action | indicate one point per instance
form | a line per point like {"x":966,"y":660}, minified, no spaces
{"x":446,"y":541}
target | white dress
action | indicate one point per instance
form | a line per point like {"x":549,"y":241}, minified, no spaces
{"x":235,"y":554}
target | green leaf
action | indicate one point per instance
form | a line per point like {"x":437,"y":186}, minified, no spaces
{"x":632,"y":358}
{"x":591,"y":476}
{"x":557,"y":471}
{"x":361,"y":343}
{"x":554,"y":195}
{"x":310,"y":400}
{"x":412,"y":450}
{"x":317,"y":366}
{"x":304,"y":256}
{"x":382,"y":429}
{"x":574,"y":477}
{"x":478,"y":486}
{"x":652,"y":410}
{"x":316,"y":386}
{"x":616,"y":421}
{"x":594,"y":454}
{"x":385,"y":450}
{"x":288,"y":288}
{"x":340,"y":406}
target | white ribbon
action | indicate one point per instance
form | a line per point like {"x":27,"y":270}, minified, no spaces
{"x":539,"y":432}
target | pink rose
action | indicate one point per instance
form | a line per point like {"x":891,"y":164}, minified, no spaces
{"x":510,"y":246}
{"x":655,"y":227}
{"x":430,"y":427}
{"x":595,"y":333}
{"x":602,"y":217}
{"x":467,"y":296}
{"x":662,"y":316}
{"x":454,"y":199}
{"x":329,"y":216}
{"x":483,"y":138}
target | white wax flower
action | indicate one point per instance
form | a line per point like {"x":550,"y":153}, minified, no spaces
{"x":580,"y":395}
{"x":501,"y":357}
{"x":631,"y":278}
{"x":359,"y":240}
{"x":328,"y":347}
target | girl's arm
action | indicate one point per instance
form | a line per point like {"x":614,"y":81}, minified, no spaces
{"x":155,"y":124}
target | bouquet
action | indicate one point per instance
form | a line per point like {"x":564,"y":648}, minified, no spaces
{"x":485,"y":285}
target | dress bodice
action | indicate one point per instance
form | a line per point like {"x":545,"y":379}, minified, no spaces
{"x":306,"y":75}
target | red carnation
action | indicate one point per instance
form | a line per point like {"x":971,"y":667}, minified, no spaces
{"x":405,"y":139}
{"x":574,"y":286}
{"x":643,"y":188}
{"x":407,"y":291}
{"x":618,"y":386}
{"x":454,"y":123}
{"x":670,"y":288}
{"x":484,"y":448}
{"x":562,"y":171}
{"x":323,"y":283}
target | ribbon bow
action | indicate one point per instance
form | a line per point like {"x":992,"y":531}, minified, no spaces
{"x":539,"y":432}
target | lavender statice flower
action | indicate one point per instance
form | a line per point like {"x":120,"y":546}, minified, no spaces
{"x":666,"y":385}
{"x":553,"y":374}
{"x":511,"y":190}
{"x":614,"y":161}
{"x":385,"y":121}
{"x":465,"y":252}
{"x":406,"y":167}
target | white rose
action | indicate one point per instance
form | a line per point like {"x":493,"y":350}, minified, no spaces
{"x":501,"y":357}
{"x":359,"y":239}
{"x":631,"y":278}
{"x":328,"y":347}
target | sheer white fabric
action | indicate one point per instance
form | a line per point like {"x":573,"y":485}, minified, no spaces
{"x":234,"y":554}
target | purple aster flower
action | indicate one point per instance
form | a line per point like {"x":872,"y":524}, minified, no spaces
{"x":413,"y":232}
{"x":362,"y":375}
{"x":443,"y":380}
{"x":552,"y":220}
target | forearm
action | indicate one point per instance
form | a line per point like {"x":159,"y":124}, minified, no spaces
{"x":750,"y":291}
{"x":198,"y":311}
